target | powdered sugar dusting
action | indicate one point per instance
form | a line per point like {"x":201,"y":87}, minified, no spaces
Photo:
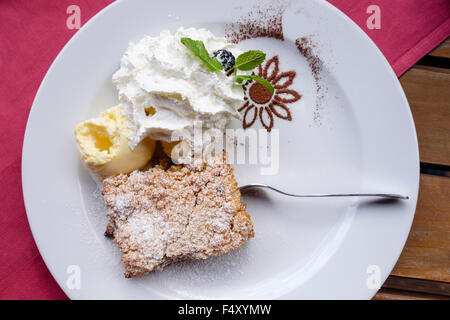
{"x":186,"y":212}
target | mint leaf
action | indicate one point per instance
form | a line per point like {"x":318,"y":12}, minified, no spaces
{"x":198,"y":48}
{"x":249,"y":60}
{"x":240,"y":78}
{"x":264,"y":82}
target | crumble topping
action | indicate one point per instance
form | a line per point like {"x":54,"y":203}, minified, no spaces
{"x":165,"y":215}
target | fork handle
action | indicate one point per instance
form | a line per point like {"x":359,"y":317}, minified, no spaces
{"x":324,"y":195}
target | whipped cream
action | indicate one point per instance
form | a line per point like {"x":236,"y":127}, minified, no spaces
{"x":164,"y":88}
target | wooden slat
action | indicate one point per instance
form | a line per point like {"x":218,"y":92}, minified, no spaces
{"x":418,"y":285}
{"x":390,"y":294}
{"x":427,"y":251}
{"x":442,"y":51}
{"x":423,"y":269}
{"x":428,"y":93}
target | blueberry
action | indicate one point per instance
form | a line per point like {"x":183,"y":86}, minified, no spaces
{"x":225,"y":58}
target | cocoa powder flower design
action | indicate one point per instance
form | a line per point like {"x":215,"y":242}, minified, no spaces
{"x":261,"y":103}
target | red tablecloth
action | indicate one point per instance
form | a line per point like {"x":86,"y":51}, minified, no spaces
{"x":31,"y":35}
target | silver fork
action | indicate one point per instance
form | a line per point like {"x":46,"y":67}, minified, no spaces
{"x":320,"y":195}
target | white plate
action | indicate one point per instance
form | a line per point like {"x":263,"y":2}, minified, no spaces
{"x":304,"y":248}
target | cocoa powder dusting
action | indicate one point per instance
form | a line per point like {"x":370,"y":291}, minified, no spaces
{"x":306,"y":48}
{"x":267,"y":22}
{"x":259,"y":93}
{"x":261,"y":103}
{"x":258,"y":23}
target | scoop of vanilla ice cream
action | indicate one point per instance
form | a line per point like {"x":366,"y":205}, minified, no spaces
{"x":103,"y":144}
{"x":165,"y":89}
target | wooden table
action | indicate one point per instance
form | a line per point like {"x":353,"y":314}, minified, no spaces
{"x":423,"y":269}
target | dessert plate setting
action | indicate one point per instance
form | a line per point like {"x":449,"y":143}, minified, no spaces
{"x":337,"y":122}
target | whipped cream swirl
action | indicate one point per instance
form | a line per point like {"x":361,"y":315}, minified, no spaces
{"x":164,"y":88}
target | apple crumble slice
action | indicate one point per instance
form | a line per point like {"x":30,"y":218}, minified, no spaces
{"x":173,"y":213}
